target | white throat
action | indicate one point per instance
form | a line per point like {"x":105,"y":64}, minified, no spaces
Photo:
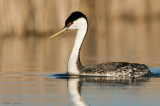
{"x":74,"y":63}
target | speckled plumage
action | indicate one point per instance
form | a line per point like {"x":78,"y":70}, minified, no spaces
{"x":116,"y":69}
{"x":78,"y":21}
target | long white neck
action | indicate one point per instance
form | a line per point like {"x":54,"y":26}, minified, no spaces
{"x":74,"y":64}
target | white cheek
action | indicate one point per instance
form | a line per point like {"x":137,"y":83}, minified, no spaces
{"x":81,"y":22}
{"x":73,"y":26}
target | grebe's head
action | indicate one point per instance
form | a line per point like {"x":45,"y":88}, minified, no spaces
{"x":76,"y":20}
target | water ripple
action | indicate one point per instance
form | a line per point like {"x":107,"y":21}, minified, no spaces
{"x":155,"y":71}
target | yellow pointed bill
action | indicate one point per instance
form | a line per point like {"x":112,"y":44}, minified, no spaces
{"x":61,"y":31}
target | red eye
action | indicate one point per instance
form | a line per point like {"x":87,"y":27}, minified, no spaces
{"x":69,"y":23}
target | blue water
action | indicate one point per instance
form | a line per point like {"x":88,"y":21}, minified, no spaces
{"x":108,"y":91}
{"x":46,"y":89}
{"x":155,"y":71}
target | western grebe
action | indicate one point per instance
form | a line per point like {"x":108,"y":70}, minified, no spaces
{"x":78,"y":21}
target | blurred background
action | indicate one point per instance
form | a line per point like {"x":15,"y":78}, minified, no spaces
{"x":119,"y":30}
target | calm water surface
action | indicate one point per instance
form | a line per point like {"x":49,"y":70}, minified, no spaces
{"x":45,"y":89}
{"x":28,"y":65}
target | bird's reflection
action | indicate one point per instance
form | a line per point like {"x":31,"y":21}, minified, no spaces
{"x":102,"y":81}
{"x":74,"y":88}
{"x":75,"y":84}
